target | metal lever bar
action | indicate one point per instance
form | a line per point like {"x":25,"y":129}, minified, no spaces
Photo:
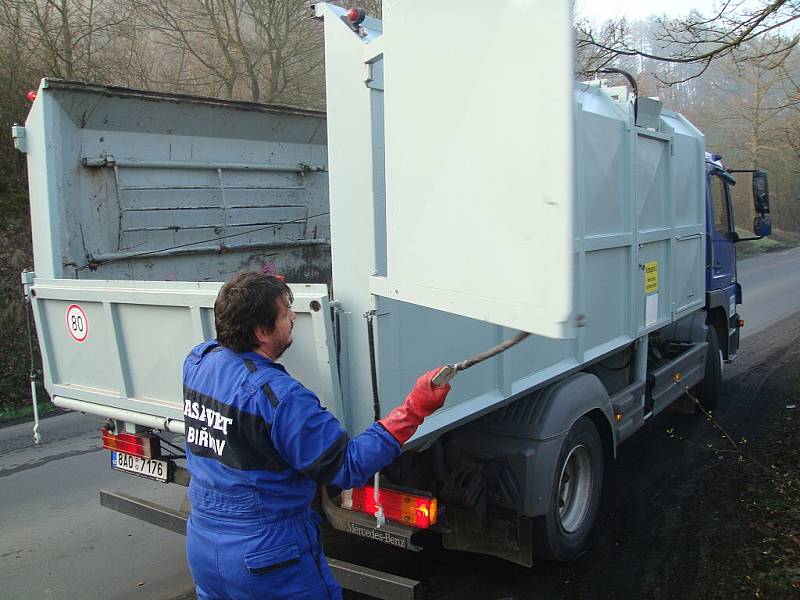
{"x":447,"y":372}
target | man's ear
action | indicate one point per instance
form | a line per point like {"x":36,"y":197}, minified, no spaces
{"x":261,"y":333}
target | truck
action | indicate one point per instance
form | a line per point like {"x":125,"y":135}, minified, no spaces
{"x":143,"y":203}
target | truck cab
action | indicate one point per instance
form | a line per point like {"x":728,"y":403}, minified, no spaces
{"x":723,"y":292}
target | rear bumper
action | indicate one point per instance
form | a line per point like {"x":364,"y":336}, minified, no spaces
{"x":352,"y":577}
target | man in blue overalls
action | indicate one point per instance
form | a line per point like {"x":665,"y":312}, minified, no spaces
{"x":257,"y":445}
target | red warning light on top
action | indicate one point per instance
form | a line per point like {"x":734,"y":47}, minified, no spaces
{"x":356,"y":15}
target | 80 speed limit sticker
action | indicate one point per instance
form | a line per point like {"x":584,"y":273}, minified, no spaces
{"x":77,"y":323}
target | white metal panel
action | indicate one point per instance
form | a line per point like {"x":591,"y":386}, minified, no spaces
{"x":353,"y":160}
{"x":139,"y":332}
{"x":688,"y":199}
{"x":44,"y":186}
{"x":479,"y":160}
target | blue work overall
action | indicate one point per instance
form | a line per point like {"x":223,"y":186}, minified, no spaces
{"x":257,"y":444}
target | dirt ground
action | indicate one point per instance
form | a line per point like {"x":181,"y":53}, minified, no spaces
{"x":758,"y":549}
{"x":686,"y":513}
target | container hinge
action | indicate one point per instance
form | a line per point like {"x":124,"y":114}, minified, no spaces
{"x":27,"y":282}
{"x":99,"y":161}
{"x":20,"y":138}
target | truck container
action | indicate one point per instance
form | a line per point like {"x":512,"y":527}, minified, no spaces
{"x":143,"y":203}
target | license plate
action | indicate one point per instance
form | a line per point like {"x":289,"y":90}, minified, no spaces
{"x":151,"y":468}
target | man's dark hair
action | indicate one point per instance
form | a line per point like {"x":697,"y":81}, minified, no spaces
{"x":245,"y":302}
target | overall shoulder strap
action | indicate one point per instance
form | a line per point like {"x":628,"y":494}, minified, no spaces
{"x":201,"y":350}
{"x":264,"y":376}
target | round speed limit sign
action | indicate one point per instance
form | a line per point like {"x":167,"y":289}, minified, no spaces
{"x":77,"y":323}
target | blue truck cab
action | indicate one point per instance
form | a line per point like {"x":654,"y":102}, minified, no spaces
{"x":723,"y":292}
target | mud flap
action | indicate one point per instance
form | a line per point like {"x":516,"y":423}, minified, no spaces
{"x":511,"y":540}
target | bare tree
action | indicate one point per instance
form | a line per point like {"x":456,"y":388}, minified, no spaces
{"x":196,"y":28}
{"x":698,"y":39}
{"x":64,"y":36}
{"x":748,"y":99}
{"x":292,"y":44}
{"x":264,"y":50}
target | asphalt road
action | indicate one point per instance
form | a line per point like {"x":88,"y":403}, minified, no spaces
{"x":58,"y":543}
{"x":771,"y":289}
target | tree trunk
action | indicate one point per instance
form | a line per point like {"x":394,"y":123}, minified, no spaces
{"x":66,"y":35}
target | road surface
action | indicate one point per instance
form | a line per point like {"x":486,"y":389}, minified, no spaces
{"x":58,"y":543}
{"x":771,"y":289}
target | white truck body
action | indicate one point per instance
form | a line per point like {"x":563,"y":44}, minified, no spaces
{"x":116,"y":209}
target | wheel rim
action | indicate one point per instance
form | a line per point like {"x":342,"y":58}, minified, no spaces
{"x":575,"y":489}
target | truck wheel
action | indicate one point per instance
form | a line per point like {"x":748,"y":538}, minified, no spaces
{"x":562,"y":533}
{"x":708,"y":390}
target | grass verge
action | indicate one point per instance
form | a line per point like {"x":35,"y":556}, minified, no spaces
{"x":779,"y":240}
{"x":22,"y":411}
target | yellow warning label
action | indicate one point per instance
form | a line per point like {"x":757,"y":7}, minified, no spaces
{"x":650,"y":276}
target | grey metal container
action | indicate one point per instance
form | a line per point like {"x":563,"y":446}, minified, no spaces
{"x":127,"y":184}
{"x":637,"y":203}
{"x":639,"y":264}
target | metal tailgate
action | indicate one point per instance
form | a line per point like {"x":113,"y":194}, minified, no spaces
{"x":120,"y":345}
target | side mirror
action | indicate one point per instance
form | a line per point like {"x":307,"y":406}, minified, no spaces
{"x":762,"y":226}
{"x":760,"y":193}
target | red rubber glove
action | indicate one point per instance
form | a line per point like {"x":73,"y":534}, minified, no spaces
{"x":423,"y":401}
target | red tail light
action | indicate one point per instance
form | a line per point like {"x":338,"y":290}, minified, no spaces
{"x":139,"y":444}
{"x":31,"y":96}
{"x":403,"y":507}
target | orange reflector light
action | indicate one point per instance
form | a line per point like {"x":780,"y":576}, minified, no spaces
{"x":741,"y":322}
{"x":403,"y":507}
{"x":676,"y":376}
{"x":140,"y":444}
{"x":618,"y":417}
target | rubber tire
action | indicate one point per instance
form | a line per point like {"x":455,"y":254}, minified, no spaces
{"x":550,"y":540}
{"x":709,"y":390}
